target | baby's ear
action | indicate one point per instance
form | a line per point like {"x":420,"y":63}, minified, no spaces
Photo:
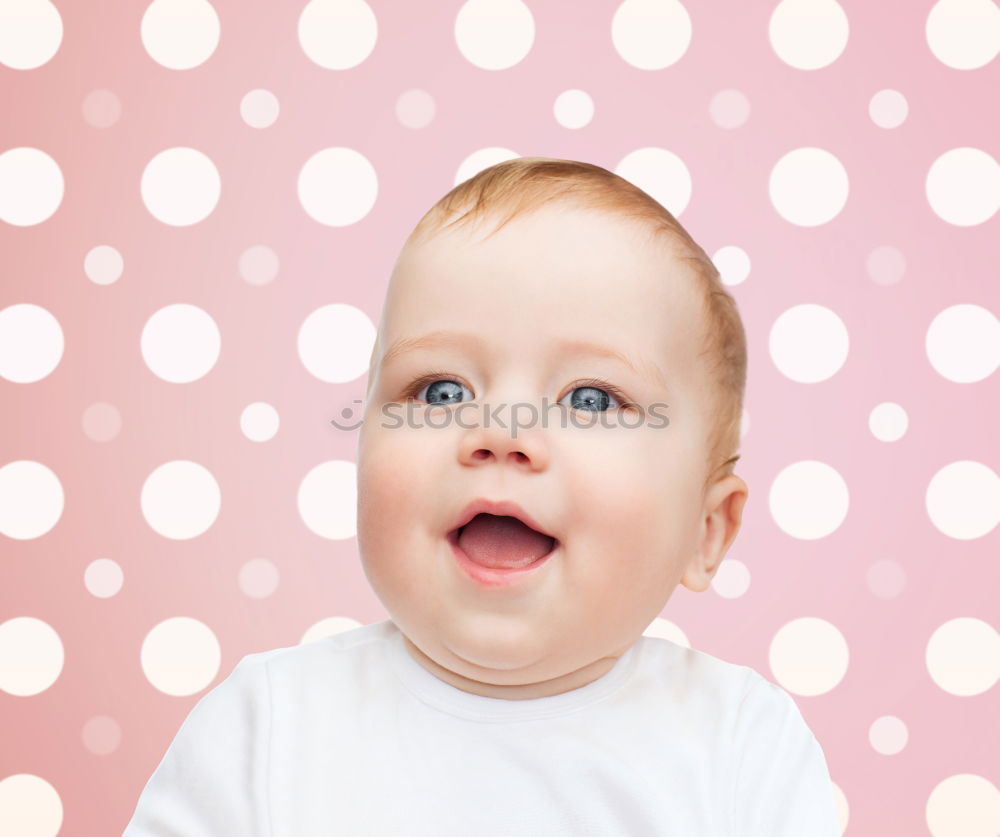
{"x":722,"y":514}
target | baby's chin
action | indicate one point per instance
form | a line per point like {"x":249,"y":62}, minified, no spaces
{"x":484,"y":653}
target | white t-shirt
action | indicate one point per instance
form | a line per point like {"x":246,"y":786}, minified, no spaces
{"x":351,"y":736}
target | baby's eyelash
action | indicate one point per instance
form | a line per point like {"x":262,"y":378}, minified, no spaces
{"x":417,"y":385}
{"x":620,"y":396}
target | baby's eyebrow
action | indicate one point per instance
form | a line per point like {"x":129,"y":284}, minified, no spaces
{"x":436,"y":339}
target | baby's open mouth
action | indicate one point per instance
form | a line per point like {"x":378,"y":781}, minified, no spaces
{"x":501,"y":541}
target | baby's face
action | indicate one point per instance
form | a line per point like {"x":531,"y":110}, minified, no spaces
{"x":620,"y":492}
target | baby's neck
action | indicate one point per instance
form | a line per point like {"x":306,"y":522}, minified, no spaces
{"x":522,"y":691}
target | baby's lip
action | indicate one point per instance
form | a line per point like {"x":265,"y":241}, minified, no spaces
{"x":501,"y":508}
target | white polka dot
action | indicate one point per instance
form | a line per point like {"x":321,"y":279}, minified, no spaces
{"x":573,"y":109}
{"x":180,"y":186}
{"x":964,"y":34}
{"x":888,"y":735}
{"x":259,"y":265}
{"x":963,"y":186}
{"x":963,"y":500}
{"x":31,"y":656}
{"x":482,"y":159}
{"x":180,"y":34}
{"x":665,"y":629}
{"x":29,"y":807}
{"x":337,"y":34}
{"x":259,"y":421}
{"x":327,"y":500}
{"x":103,"y":578}
{"x":888,"y":108}
{"x":180,"y":499}
{"x":329,"y":627}
{"x":494,"y":34}
{"x":103,"y":265}
{"x":335,"y":343}
{"x":963,"y":343}
{"x":808,"y":187}
{"x":808,"y":500}
{"x":808,"y":34}
{"x":180,"y":343}
{"x":31,"y":499}
{"x":180,"y":656}
{"x":259,"y":108}
{"x":842,"y":808}
{"x":963,"y":656}
{"x":808,"y":656}
{"x":885,"y":265}
{"x":337,"y":186}
{"x":732,"y":579}
{"x":729,"y":109}
{"x":31,"y":186}
{"x":744,"y":423}
{"x":101,"y":735}
{"x":888,"y":421}
{"x":101,"y":108}
{"x":31,"y":32}
{"x":31,"y":343}
{"x":733,"y":264}
{"x":659,"y":173}
{"x":886,"y":579}
{"x":415,"y":109}
{"x":101,"y":422}
{"x":258,"y":578}
{"x":651,"y":34}
{"x":808,"y":343}
{"x":964,"y":805}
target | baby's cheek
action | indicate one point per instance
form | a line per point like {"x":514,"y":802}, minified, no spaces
{"x":395,"y":488}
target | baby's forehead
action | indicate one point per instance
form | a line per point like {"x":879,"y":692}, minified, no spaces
{"x":559,"y":270}
{"x":592,"y":257}
{"x":580,"y":238}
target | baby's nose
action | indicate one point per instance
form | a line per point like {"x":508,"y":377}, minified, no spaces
{"x":508,"y":439}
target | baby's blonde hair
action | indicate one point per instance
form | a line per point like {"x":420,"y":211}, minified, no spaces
{"x":522,"y":185}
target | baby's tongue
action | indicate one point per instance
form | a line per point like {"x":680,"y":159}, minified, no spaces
{"x":502,"y":542}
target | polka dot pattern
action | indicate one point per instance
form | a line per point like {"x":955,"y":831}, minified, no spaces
{"x":103,"y":265}
{"x":31,"y":32}
{"x":196,"y":232}
{"x":337,"y":34}
{"x":260,"y":108}
{"x":180,"y":34}
{"x":180,"y":186}
{"x":415,"y":109}
{"x":31,"y":656}
{"x":180,"y":656}
{"x":31,"y":186}
{"x":180,"y":499}
{"x":494,"y":34}
{"x":29,"y":806}
{"x":101,"y":108}
{"x":31,"y":343}
{"x":180,"y":343}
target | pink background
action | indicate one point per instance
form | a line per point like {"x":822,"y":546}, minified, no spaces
{"x":98,"y":731}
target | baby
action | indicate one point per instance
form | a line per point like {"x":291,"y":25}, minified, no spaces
{"x":547,"y":451}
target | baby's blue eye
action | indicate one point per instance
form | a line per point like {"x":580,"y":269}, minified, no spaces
{"x":592,"y":396}
{"x":593,"y":399}
{"x":450,"y":392}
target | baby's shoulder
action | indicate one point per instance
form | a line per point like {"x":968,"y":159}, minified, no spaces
{"x":330,"y":668}
{"x":360,"y":641}
{"x":710,"y":685}
{"x":688,"y":671}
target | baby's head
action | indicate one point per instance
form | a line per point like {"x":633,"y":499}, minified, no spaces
{"x":556,"y":287}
